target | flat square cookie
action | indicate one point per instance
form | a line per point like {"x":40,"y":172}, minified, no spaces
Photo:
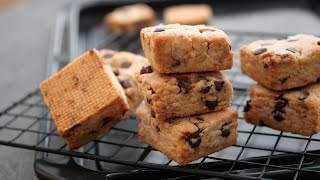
{"x":296,"y":111}
{"x":129,"y":17}
{"x":189,"y":14}
{"x":190,"y":138}
{"x":124,"y":66}
{"x":176,"y":48}
{"x":85,"y":99}
{"x":180,"y":95}
{"x":282,"y":64}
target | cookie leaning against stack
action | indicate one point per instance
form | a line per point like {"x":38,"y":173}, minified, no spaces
{"x":187,"y":104}
{"x":86,"y":99}
{"x":285,"y":98}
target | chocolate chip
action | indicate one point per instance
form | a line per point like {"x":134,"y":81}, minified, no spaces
{"x":219,"y":84}
{"x":265,"y":66}
{"x":247,"y":107}
{"x":152,"y":91}
{"x":278,"y":117}
{"x":185,"y":86}
{"x":206,"y":29}
{"x":107,"y":56}
{"x":176,"y":63}
{"x":303,"y":95}
{"x":230,"y":47}
{"x":205,"y":89}
{"x":125,"y":64}
{"x":106,"y":121}
{"x":211,"y":104}
{"x":159,"y":30}
{"x":194,"y":139}
{"x":283,"y":79}
{"x":149,"y":101}
{"x":293,"y":50}
{"x":146,"y":70}
{"x":281,"y":103}
{"x":297,"y":88}
{"x":284,"y":56}
{"x":260,"y":51}
{"x":125,"y":84}
{"x":116,"y":72}
{"x":292,"y":40}
{"x":92,"y":132}
{"x":158,"y":127}
{"x":319,"y":43}
{"x":224,"y":132}
{"x":153,"y":114}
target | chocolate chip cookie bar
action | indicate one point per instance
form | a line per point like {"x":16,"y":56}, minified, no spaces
{"x":176,"y":48}
{"x":180,"y":95}
{"x":296,"y":111}
{"x":85,"y":99}
{"x":128,"y":18}
{"x":190,"y":138}
{"x":191,"y":14}
{"x":124,"y":66}
{"x":283,"y":64}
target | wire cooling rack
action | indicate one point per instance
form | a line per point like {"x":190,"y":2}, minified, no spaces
{"x":261,"y":152}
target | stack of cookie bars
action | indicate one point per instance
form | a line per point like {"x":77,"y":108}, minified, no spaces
{"x":186,"y":112}
{"x":287,"y":96}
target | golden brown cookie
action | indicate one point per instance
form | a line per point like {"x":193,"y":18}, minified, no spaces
{"x":179,"y":48}
{"x":85,"y":99}
{"x":282,"y":64}
{"x":180,"y":95}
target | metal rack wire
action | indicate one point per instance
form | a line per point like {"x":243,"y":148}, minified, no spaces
{"x":260,"y":152}
{"x":32,"y":111}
